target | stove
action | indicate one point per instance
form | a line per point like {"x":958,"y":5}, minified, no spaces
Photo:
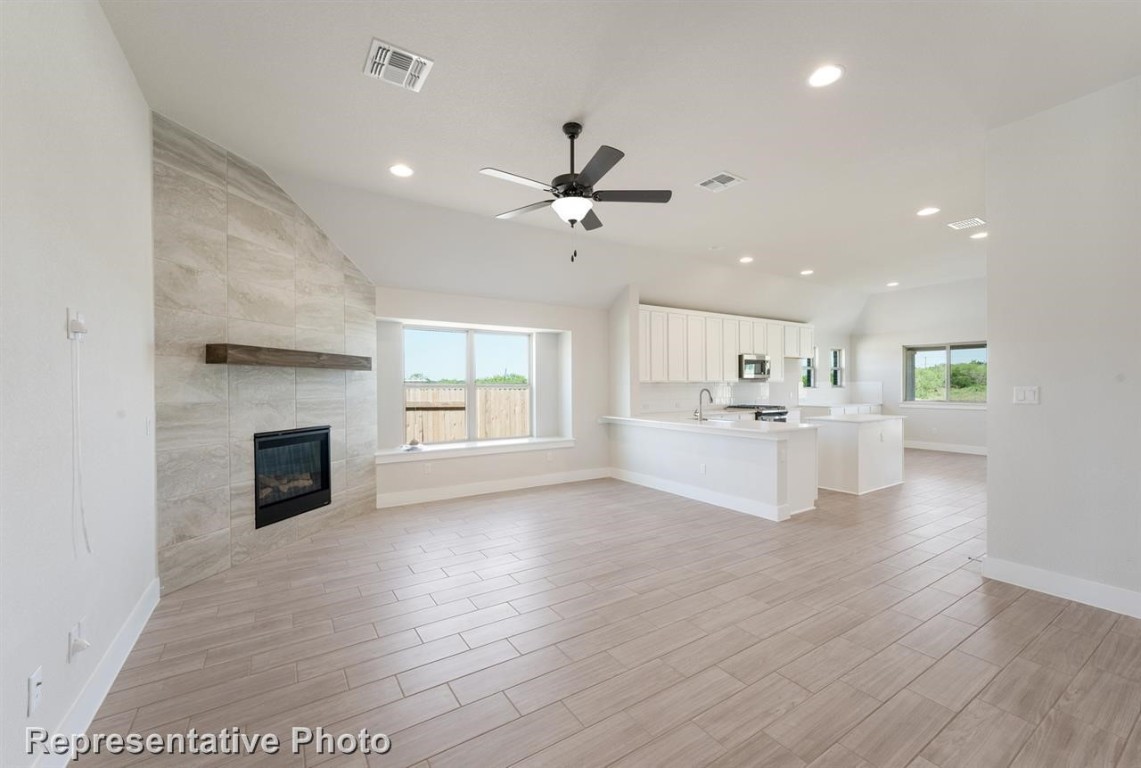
{"x":763,"y":412}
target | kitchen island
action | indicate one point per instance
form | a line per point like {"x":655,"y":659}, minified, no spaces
{"x":766,"y":469}
{"x":861,"y":453}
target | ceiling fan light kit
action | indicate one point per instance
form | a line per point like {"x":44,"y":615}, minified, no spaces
{"x":574,"y":194}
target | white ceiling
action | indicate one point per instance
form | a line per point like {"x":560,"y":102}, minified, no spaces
{"x":835,"y":175}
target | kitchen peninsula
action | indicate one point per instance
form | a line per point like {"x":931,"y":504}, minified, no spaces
{"x":766,"y":469}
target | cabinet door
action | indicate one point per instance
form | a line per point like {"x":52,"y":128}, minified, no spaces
{"x":760,"y":338}
{"x":644,"y":345}
{"x":695,"y":348}
{"x":730,"y":347}
{"x":713,"y":349}
{"x":792,"y":341}
{"x":675,"y":347}
{"x":776,"y":351}
{"x":658,"y":346}
{"x":877,"y":409}
{"x":807,"y":341}
{"x":745,"y":341}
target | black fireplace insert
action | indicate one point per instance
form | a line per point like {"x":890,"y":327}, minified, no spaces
{"x":292,"y":471}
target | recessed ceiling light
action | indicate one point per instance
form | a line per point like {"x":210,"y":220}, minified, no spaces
{"x":978,"y":236}
{"x":928,"y":211}
{"x":892,"y":284}
{"x":746,"y":259}
{"x":401,"y":170}
{"x":825,"y":75}
{"x":806,"y":272}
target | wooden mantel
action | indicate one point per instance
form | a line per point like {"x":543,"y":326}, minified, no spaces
{"x":241,"y":354}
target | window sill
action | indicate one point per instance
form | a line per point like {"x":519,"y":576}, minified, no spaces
{"x":946,"y":406}
{"x":473,"y":448}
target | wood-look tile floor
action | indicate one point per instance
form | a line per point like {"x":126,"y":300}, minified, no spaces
{"x":601,"y":623}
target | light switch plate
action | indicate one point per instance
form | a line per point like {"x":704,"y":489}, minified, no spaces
{"x":1026,"y":395}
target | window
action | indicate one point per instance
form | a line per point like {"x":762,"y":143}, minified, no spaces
{"x":948,"y":373}
{"x":808,"y":371}
{"x":462,"y":385}
{"x":836,"y":367}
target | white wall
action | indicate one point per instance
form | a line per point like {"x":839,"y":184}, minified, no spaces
{"x":1064,"y":277}
{"x":75,"y":188}
{"x":824,"y":393}
{"x":940,"y":314}
{"x":587,"y":382}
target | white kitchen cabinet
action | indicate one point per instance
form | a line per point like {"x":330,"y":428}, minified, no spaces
{"x":644,"y":345}
{"x":659,"y":346}
{"x":695,"y":348}
{"x":760,"y":338}
{"x":745,"y":338}
{"x":775,"y":332}
{"x":807,"y":341}
{"x":730,"y":335}
{"x":792,"y":340}
{"x":675,"y":347}
{"x":713,"y":349}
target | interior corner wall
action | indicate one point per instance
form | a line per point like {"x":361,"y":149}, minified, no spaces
{"x":75,"y":190}
{"x":583,"y":389}
{"x":1064,"y":277}
{"x":237,"y":260}
{"x":937,"y":314}
{"x":623,"y":319}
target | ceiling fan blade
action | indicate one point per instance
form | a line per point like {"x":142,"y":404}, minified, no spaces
{"x":604,"y":159}
{"x":634,"y":196}
{"x":524,"y":209}
{"x":590,"y":221}
{"x":496,"y":173}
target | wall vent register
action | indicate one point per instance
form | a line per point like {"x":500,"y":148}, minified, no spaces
{"x":292,"y":473}
{"x":400,"y":67}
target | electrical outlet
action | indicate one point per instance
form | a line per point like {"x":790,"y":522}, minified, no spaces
{"x":427,"y":465}
{"x":35,"y":690}
{"x":1026,"y":395}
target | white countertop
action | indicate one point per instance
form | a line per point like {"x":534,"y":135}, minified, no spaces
{"x":856,"y":418}
{"x":762,"y":430}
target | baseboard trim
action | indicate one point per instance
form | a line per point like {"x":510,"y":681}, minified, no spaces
{"x":82,"y":712}
{"x":860,"y":493}
{"x":442,"y":493}
{"x":920,"y":445}
{"x":735,"y":503}
{"x":1080,"y":590}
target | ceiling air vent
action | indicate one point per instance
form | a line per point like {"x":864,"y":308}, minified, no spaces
{"x":721,"y":181}
{"x":393,"y":65}
{"x":967,"y":223}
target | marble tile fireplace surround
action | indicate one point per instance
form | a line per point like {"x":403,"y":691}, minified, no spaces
{"x":236,"y":260}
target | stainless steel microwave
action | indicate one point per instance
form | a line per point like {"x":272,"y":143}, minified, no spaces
{"x":753,"y":367}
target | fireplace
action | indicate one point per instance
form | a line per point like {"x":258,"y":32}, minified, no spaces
{"x":292,"y":470}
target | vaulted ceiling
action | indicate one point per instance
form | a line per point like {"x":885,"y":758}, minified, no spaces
{"x":834,"y":175}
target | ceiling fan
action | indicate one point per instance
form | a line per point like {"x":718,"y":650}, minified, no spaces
{"x":574,"y":195}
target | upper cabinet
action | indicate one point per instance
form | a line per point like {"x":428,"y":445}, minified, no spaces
{"x":676,"y":352}
{"x":714,"y":352}
{"x":776,"y":351}
{"x":676,"y":345}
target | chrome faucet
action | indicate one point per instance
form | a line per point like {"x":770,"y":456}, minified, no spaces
{"x":700,"y":412}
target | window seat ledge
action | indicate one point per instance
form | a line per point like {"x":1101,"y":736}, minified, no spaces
{"x":472,"y":448}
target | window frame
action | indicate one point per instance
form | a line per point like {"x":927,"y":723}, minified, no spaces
{"x":908,"y":384}
{"x":836,"y":367}
{"x":470,"y":386}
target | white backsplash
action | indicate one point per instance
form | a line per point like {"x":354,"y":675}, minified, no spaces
{"x":659,"y":398}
